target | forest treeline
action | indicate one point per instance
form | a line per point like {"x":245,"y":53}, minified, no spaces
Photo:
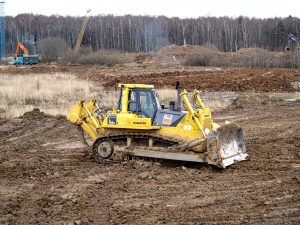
{"x":148,"y":34}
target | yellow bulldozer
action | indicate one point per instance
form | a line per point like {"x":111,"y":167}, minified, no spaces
{"x":141,"y":127}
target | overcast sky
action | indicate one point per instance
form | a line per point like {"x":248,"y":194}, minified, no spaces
{"x":170,"y":8}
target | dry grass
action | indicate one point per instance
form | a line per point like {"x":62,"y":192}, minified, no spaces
{"x":100,"y":57}
{"x":165,"y":95}
{"x":52,"y":93}
{"x":56,"y":93}
{"x":248,"y":57}
{"x":217,"y":101}
{"x":202,"y":58}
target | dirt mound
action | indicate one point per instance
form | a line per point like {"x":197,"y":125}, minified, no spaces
{"x":34,"y":69}
{"x":254,"y":100}
{"x":175,"y":54}
{"x":32,"y":129}
{"x":181,"y":50}
{"x":34,"y":114}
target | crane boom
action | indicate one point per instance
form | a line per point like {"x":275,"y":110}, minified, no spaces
{"x":82,"y":30}
{"x":291,"y":37}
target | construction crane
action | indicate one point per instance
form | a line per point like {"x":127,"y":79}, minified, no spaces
{"x":293,"y":38}
{"x":82,"y":30}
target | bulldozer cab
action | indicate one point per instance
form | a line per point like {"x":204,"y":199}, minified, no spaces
{"x":140,"y":100}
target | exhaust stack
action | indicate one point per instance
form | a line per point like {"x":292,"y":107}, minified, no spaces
{"x":179,"y":101}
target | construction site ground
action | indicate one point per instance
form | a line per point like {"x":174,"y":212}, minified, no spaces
{"x":202,"y":78}
{"x":47,"y":176}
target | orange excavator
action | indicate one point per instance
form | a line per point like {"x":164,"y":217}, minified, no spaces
{"x":19,"y":47}
{"x":24,"y":58}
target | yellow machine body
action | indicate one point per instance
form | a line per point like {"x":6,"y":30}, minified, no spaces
{"x":193,"y":128}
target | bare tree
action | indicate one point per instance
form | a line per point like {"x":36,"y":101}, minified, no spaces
{"x":51,"y":49}
{"x":146,"y":34}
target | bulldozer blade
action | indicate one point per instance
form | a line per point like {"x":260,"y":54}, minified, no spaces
{"x":158,"y":153}
{"x":226,"y":146}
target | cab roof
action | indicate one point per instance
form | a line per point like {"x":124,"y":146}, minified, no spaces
{"x":135,"y":86}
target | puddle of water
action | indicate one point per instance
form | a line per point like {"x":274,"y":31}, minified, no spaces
{"x":213,"y":69}
{"x":289,"y":97}
{"x":65,"y":144}
{"x":71,"y":145}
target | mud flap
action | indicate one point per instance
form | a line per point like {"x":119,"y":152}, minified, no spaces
{"x":226,"y":146}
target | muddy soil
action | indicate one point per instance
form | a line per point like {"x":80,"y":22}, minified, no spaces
{"x":220,"y":80}
{"x":202,"y":78}
{"x":48,"y":177}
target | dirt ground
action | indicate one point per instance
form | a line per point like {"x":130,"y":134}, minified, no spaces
{"x":47,"y":175}
{"x":202,"y":78}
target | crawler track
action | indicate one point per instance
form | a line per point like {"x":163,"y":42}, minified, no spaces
{"x":139,"y":140}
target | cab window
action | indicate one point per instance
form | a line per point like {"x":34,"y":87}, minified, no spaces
{"x":147,"y":104}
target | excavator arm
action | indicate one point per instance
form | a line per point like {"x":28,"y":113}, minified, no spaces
{"x":19,"y":47}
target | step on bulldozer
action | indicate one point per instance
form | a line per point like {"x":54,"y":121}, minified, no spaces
{"x":141,"y":127}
